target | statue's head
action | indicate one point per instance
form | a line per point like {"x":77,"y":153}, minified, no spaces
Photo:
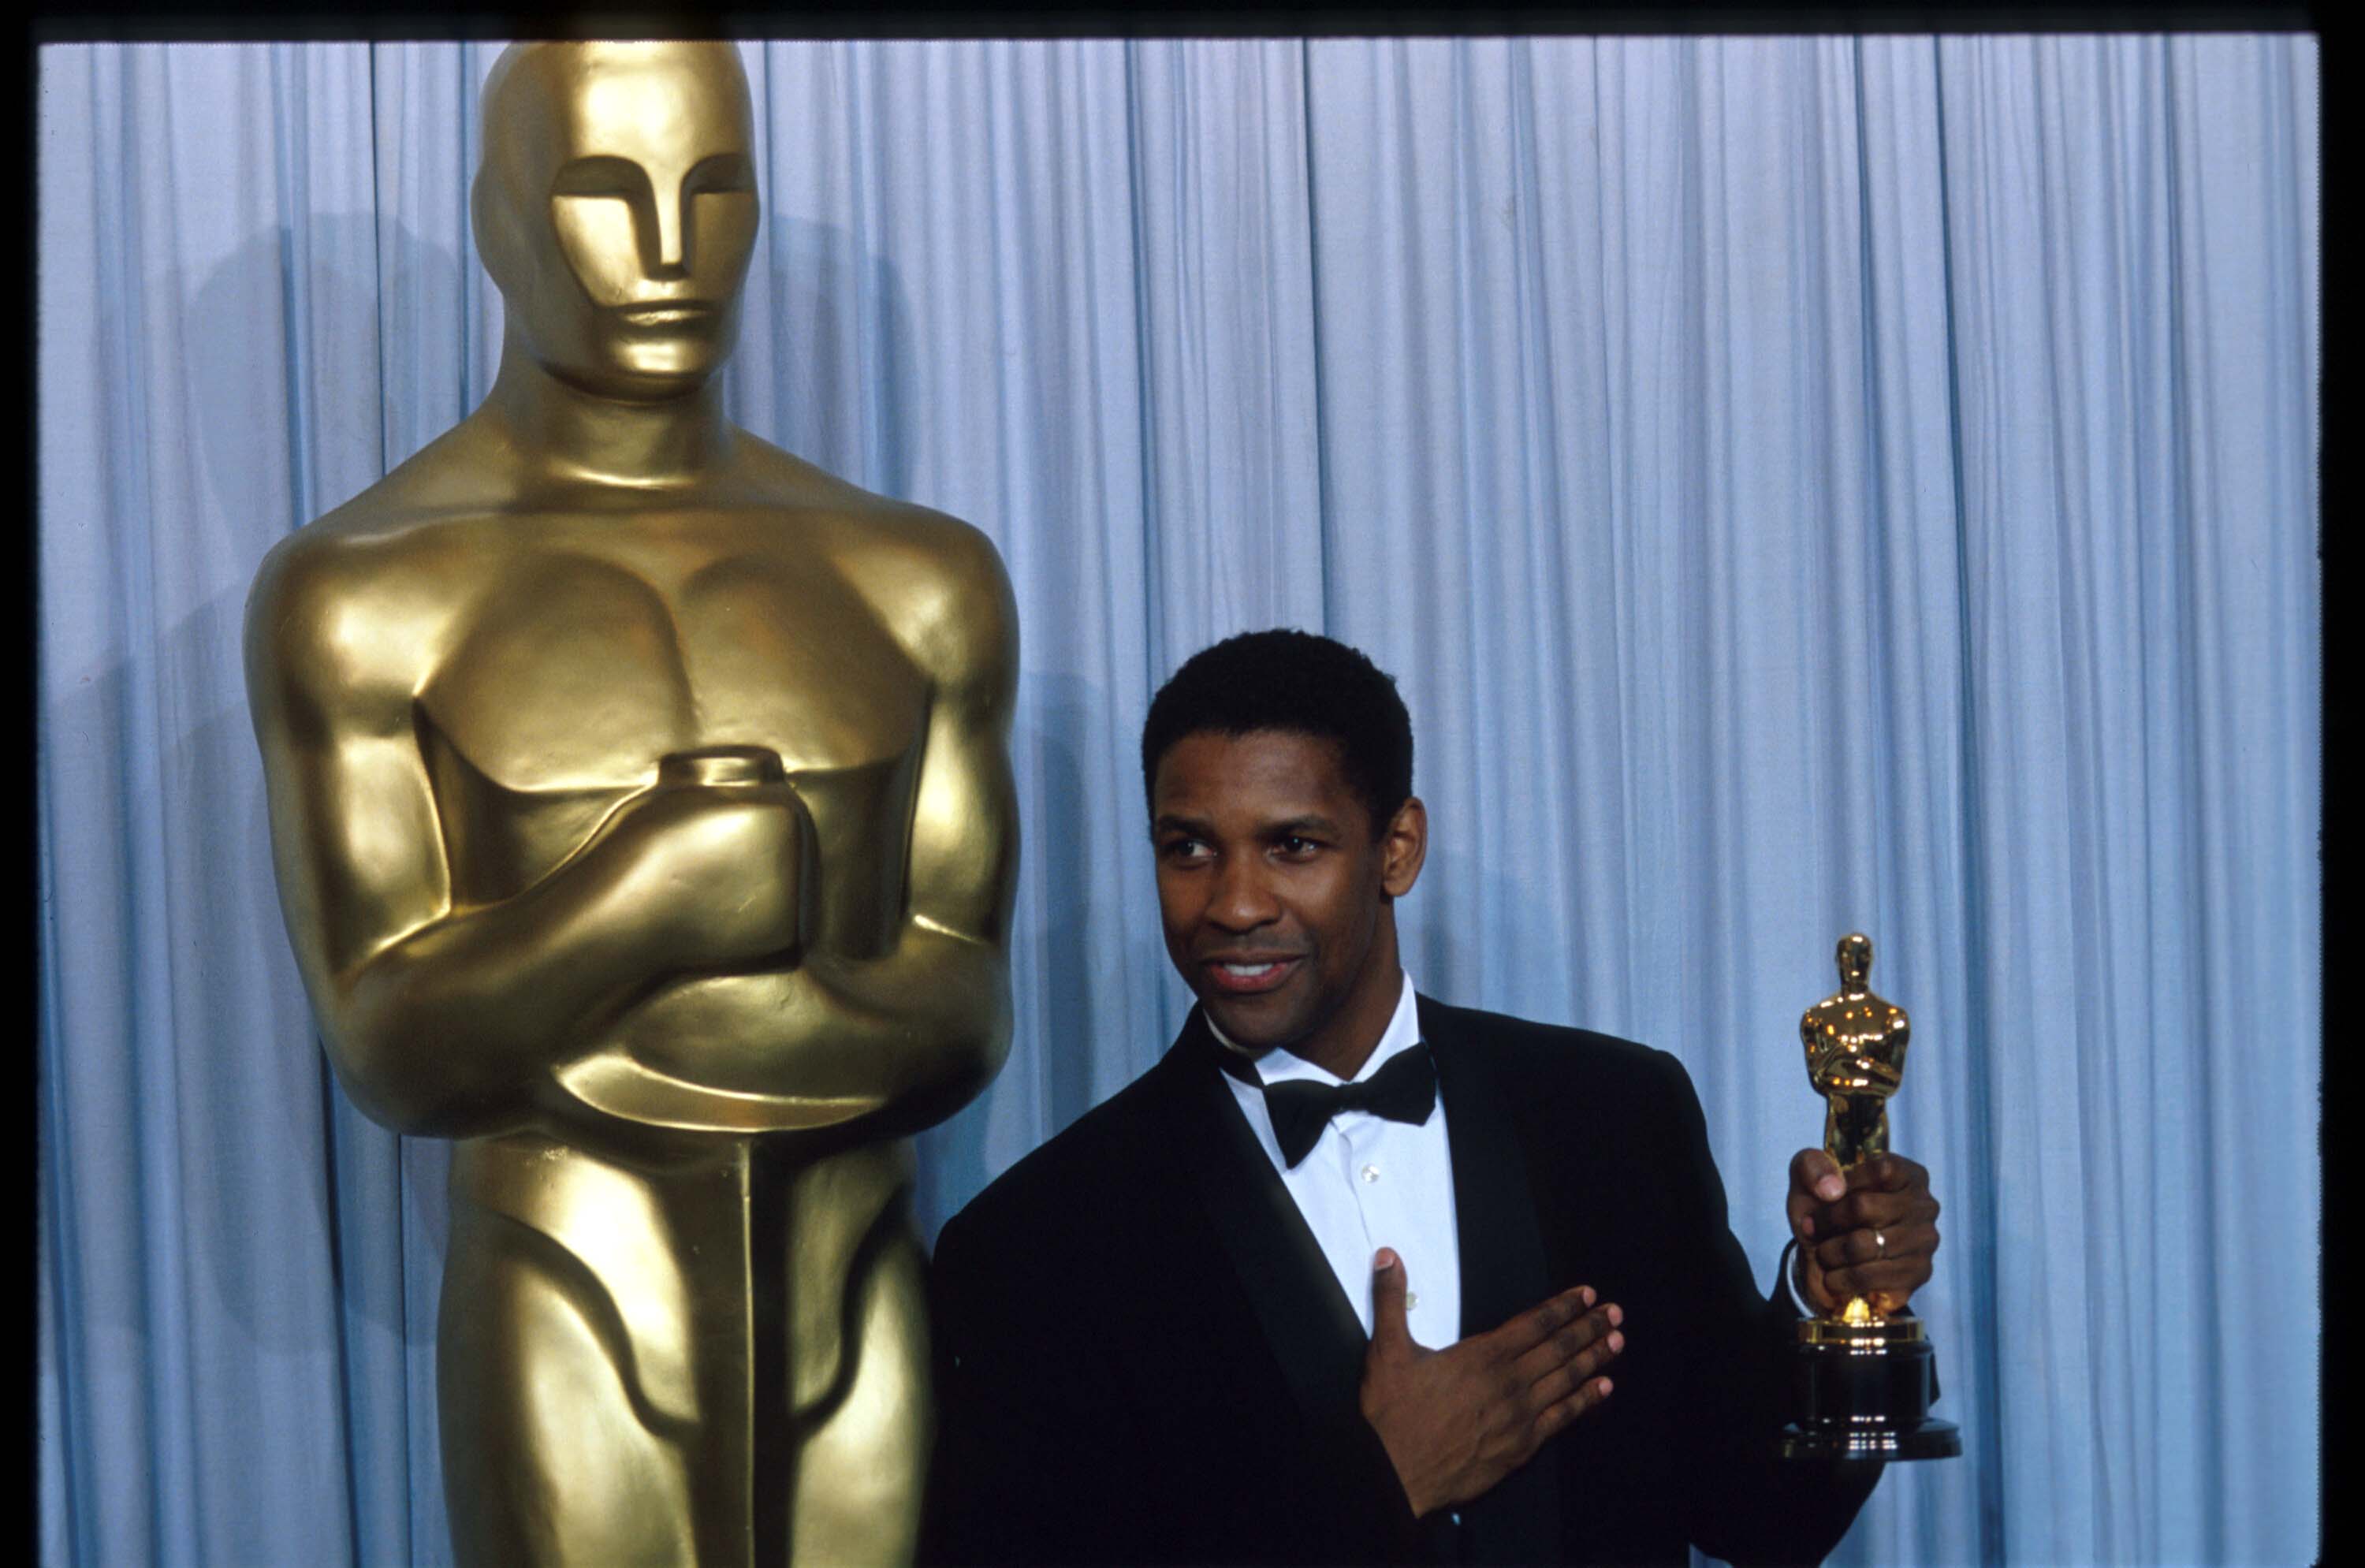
{"x":615,"y":209}
{"x":1855,"y":959}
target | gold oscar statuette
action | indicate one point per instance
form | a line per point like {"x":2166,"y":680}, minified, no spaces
{"x":642,"y":812}
{"x":1864,"y":1381}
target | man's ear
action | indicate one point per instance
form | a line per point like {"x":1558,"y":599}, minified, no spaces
{"x":1402,"y":847}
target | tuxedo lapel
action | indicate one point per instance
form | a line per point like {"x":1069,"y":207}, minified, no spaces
{"x":1504,"y":1271}
{"x":1307,"y":1322}
{"x":1503,"y":1266}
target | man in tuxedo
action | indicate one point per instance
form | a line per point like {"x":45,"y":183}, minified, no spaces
{"x":1352,"y":1275}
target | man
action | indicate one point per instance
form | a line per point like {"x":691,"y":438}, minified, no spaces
{"x":1488,"y":1310}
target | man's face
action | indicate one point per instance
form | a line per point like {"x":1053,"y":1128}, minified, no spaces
{"x":624,"y":197}
{"x":1274,"y":891}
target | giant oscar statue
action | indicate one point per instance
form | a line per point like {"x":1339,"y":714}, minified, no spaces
{"x":643,"y":819}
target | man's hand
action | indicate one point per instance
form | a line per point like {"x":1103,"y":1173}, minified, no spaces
{"x":1868,"y":1231}
{"x":1456,"y":1421}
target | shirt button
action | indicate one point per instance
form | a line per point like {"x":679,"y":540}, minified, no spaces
{"x":1370,"y":1172}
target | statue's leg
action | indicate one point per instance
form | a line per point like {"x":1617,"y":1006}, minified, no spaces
{"x":549,"y":1458}
{"x":1869,"y":1115}
{"x":1854,"y":1129}
{"x":860,"y":1471}
{"x":857,"y":1335}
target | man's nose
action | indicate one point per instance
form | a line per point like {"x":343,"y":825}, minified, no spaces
{"x":1242,"y":900}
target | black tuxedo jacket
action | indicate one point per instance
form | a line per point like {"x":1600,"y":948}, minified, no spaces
{"x":1141,"y":1355}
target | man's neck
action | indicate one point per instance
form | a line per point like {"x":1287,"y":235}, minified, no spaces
{"x":1343,"y":1055}
{"x":569,"y":434}
{"x":1368,"y":1027}
{"x":1347,"y":1042}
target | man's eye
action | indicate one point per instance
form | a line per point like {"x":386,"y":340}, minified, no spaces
{"x":1293,"y":845}
{"x":1182,"y":849}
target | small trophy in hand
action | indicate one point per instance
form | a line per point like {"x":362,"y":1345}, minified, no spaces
{"x":1864,"y":1379}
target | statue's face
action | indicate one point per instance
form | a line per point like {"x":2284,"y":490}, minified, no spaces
{"x":616,"y":210}
{"x":1855,"y":958}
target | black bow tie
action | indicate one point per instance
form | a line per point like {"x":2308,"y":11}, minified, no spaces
{"x":1403,"y":1091}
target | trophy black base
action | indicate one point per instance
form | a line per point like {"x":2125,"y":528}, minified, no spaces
{"x":1863,"y":1392}
{"x":1931,"y":1439}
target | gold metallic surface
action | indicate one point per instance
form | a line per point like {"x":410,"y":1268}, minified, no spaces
{"x":1855,"y":1054}
{"x":1867,"y":1333}
{"x":643,"y":819}
{"x":1855,"y":1057}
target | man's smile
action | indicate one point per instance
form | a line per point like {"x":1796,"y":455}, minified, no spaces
{"x":1249,"y":974}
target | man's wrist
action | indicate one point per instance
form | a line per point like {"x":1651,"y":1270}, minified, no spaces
{"x":1793,"y":1284}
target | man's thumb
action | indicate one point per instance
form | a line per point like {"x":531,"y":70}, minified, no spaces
{"x":1389,"y":1328}
{"x":1812,"y":1170}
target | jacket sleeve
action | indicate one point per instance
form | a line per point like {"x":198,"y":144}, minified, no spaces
{"x":1751,"y":1507}
{"x":1005,"y":1469}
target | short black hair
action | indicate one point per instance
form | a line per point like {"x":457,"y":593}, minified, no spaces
{"x":1297,"y":683}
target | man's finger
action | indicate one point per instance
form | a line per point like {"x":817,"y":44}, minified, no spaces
{"x":1877,"y":1244}
{"x":1558,"y":1382}
{"x":1538,"y":1324}
{"x":1391,"y":1331}
{"x":1901,"y":1267}
{"x":1875,"y":1207}
{"x":1886,"y":1173}
{"x":1556,"y":1416}
{"x":1874,"y":1244}
{"x":1814,"y":1171}
{"x":1801,"y":1205}
{"x":1569,"y":1343}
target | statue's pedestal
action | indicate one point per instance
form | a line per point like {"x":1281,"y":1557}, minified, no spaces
{"x":1863,"y":1391}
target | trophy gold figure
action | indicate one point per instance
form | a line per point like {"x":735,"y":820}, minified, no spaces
{"x":641,"y":811}
{"x":1864,"y":1379}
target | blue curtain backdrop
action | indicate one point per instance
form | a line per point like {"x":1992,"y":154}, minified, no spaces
{"x":1800,"y":484}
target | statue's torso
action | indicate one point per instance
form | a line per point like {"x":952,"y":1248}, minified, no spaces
{"x":591,"y":646}
{"x":1854,"y":1043}
{"x":561,"y":654}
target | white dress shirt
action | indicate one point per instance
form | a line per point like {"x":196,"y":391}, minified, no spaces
{"x":1370,"y":1183}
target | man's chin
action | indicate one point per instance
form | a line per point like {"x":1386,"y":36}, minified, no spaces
{"x":1252,"y":1023}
